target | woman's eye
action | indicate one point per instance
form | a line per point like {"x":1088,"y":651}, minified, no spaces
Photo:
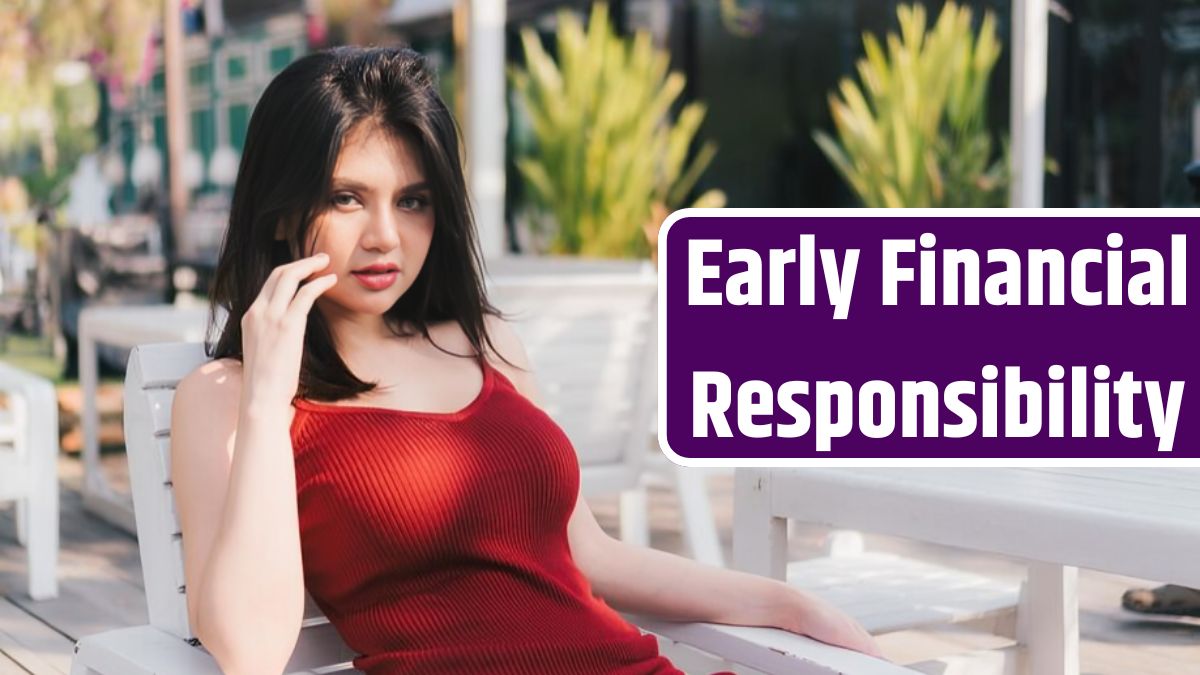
{"x":413,"y":203}
{"x":344,"y":199}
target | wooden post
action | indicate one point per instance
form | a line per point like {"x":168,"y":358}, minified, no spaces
{"x":1030,"y":24}
{"x":759,"y":537}
{"x":1048,"y":619}
{"x":483,"y":112}
{"x":177,"y":122}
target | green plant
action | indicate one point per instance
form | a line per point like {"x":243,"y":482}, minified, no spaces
{"x":606,"y":153}
{"x":917,"y":135}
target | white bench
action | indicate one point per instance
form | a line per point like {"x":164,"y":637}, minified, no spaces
{"x":165,"y":645}
{"x":29,"y":472}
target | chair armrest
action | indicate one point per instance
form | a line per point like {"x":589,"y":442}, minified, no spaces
{"x":140,"y":650}
{"x":146,"y":650}
{"x":768,"y":649}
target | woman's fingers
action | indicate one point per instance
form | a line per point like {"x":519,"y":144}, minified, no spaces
{"x":268,"y":288}
{"x":288,"y":279}
{"x":308,"y":293}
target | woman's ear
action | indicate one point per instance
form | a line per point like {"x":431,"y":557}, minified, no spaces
{"x":279,"y":232}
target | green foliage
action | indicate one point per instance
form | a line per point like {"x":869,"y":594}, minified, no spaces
{"x":914,"y":134}
{"x":606,"y":149}
{"x":34,"y":354}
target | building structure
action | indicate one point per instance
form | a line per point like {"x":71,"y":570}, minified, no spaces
{"x":226,"y":73}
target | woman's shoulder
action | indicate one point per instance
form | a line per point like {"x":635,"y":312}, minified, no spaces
{"x":502,"y":350}
{"x":507,"y":355}
{"x":216,"y":383}
{"x":504,"y":339}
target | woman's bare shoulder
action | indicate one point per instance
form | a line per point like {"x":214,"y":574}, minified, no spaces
{"x":505,"y":344}
{"x":214,"y":384}
{"x":508,"y":356}
{"x":504,"y":341}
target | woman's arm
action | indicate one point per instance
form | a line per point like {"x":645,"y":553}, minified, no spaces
{"x":646,"y":581}
{"x":235,"y":491}
{"x":235,"y":482}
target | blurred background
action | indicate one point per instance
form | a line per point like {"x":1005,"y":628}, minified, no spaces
{"x":584,"y":125}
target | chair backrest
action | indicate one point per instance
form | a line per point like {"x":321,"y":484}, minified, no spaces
{"x":150,"y":380}
{"x":591,"y":339}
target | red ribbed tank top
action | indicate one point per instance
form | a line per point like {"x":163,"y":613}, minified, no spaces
{"x":437,"y":542}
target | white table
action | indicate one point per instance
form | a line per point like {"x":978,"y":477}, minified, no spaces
{"x":1138,"y":522}
{"x":122,"y":326}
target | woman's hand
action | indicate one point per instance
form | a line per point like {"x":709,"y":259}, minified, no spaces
{"x":273,"y":331}
{"x":816,"y":618}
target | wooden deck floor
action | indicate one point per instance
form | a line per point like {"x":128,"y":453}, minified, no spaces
{"x":101,"y":588}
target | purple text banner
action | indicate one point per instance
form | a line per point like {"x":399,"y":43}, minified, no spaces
{"x":987,"y":338}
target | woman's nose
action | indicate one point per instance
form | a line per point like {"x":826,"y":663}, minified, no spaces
{"x":383,"y":231}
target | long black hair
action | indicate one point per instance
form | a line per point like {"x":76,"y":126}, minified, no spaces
{"x":292,"y":146}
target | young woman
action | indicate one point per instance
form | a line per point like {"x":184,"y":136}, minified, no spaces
{"x":369,"y":427}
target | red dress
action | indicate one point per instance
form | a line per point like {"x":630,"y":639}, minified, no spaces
{"x":437,"y":542}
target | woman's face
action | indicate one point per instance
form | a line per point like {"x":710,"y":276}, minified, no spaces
{"x":378,"y":224}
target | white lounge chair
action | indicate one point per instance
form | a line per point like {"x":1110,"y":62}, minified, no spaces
{"x":167,"y":644}
{"x":29,"y":472}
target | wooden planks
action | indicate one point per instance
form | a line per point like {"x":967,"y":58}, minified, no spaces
{"x":10,"y":667}
{"x":30,"y":643}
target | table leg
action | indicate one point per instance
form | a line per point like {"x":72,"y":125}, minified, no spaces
{"x":634,"y":516}
{"x":699,"y":527}
{"x":94,"y":482}
{"x":759,"y":538}
{"x":99,"y":497}
{"x":1048,"y":619}
{"x":41,"y":510}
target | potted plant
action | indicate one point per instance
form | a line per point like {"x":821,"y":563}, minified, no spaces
{"x":608,"y":159}
{"x":913,"y":131}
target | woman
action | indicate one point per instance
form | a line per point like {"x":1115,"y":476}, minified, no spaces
{"x":369,"y":426}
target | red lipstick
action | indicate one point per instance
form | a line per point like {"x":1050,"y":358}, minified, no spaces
{"x":378,"y":276}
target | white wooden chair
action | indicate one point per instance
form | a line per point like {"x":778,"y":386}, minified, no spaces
{"x":29,"y":472}
{"x":167,"y":644}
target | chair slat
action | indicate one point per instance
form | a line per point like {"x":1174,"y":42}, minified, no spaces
{"x":162,"y":445}
{"x":177,"y":575}
{"x":172,"y":514}
{"x":159,"y":401}
{"x":164,"y":365}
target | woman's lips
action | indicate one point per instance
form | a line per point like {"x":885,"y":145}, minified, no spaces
{"x":376,"y":281}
